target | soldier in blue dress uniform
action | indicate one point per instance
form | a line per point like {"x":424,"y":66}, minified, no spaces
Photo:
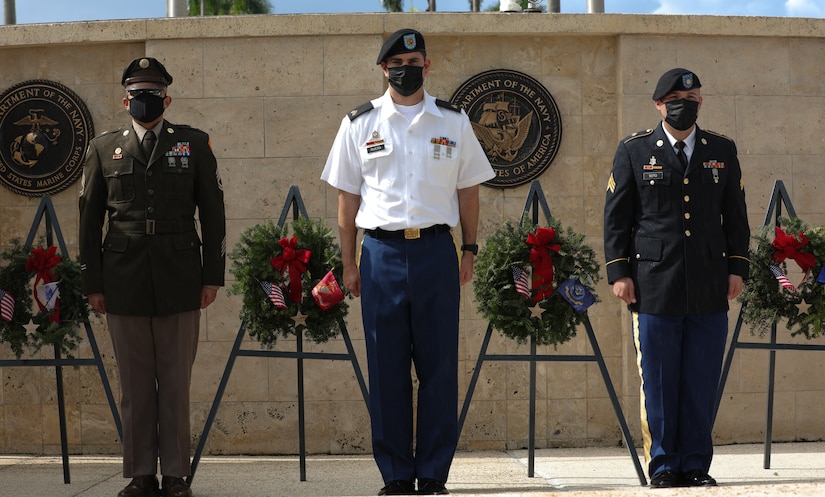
{"x":676,"y":245}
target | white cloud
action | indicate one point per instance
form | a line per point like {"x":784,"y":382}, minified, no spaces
{"x":731,"y":7}
{"x":805,"y":8}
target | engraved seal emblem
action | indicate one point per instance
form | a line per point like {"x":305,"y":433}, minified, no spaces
{"x":516,"y":121}
{"x":45,"y":129}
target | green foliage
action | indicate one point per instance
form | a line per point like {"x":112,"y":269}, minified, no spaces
{"x":393,"y":5}
{"x":73,"y":306}
{"x":508,"y":311}
{"x":765,"y":302}
{"x":251,"y":265}
{"x":229,"y":7}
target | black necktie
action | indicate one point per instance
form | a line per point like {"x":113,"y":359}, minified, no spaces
{"x":682,"y":156}
{"x":148,"y":143}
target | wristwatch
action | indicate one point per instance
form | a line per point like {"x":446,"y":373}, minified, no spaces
{"x":470,"y":247}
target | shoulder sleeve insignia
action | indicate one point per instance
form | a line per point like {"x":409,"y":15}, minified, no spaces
{"x":638,"y":134}
{"x":446,"y":105}
{"x":358,"y":111}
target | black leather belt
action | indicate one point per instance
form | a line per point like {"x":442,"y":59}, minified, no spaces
{"x":409,"y":233}
{"x":153,"y":226}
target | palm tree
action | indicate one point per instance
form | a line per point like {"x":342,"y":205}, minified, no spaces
{"x":393,"y":5}
{"x":229,"y":7}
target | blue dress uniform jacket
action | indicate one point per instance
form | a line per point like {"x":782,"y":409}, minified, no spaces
{"x":678,"y":234}
{"x":152,"y":261}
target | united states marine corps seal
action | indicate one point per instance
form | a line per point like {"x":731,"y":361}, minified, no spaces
{"x":45,"y":129}
{"x":516,"y":121}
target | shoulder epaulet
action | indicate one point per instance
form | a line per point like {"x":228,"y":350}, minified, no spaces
{"x":361,"y":109}
{"x":446,"y":105}
{"x":720,"y":135}
{"x":638,"y":134}
{"x":186,"y":127}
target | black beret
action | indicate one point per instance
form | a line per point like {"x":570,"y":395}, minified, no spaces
{"x":145,"y":69}
{"x":402,"y":41}
{"x":675,"y":79}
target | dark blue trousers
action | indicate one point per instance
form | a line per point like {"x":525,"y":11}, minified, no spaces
{"x":680,"y":361}
{"x":410,"y":305}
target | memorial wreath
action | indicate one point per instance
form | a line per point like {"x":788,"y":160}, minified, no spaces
{"x":289,"y":284}
{"x":53,"y":282}
{"x":770,"y":295}
{"x":534,"y":281}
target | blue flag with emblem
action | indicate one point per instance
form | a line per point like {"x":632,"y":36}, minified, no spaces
{"x":576,"y":294}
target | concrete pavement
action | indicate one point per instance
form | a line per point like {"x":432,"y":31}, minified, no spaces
{"x":796,"y":469}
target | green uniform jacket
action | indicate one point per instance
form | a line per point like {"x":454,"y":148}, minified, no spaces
{"x":151,"y":262}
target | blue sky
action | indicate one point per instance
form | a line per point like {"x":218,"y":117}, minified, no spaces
{"x":32,"y":11}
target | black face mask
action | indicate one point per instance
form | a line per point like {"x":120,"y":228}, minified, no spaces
{"x":146,"y":108}
{"x":682,"y":113}
{"x":406,"y":80}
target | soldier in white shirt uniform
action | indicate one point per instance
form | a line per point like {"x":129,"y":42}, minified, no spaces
{"x":408,"y":168}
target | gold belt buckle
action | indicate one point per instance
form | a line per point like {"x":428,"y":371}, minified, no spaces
{"x":412,"y":233}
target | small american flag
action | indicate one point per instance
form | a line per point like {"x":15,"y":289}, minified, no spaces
{"x":274,"y":294}
{"x":521,"y":277}
{"x":781,"y":278}
{"x":6,"y":306}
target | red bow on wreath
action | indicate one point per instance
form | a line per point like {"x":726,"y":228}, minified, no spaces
{"x":44,"y":262}
{"x":787,"y":247}
{"x":294,"y":261}
{"x":542,"y":261}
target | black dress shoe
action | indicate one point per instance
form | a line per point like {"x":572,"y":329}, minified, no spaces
{"x":175,"y":487}
{"x":698,"y":478}
{"x":664,"y":479}
{"x":398,"y":487}
{"x":141,"y":486}
{"x":426,"y":486}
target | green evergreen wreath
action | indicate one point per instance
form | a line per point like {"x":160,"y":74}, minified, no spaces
{"x":510,"y":312}
{"x":251,"y":266}
{"x":765,"y":302}
{"x":73,"y":306}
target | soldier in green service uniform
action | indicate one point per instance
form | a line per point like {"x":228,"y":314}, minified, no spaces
{"x":152,"y":273}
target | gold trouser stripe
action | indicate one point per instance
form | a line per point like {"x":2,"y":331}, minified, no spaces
{"x":645,"y":427}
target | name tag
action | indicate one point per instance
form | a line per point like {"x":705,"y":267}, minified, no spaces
{"x":647,"y":176}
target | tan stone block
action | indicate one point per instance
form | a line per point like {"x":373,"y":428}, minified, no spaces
{"x":51,"y":424}
{"x":808,"y":421}
{"x":741,"y":418}
{"x":566,"y":380}
{"x":185,"y":61}
{"x":235,"y":126}
{"x":21,"y":385}
{"x":24,"y":428}
{"x":306,"y":127}
{"x":518,"y":424}
{"x":602,"y":423}
{"x":480,"y":54}
{"x":350,"y":426}
{"x":566,"y":420}
{"x":255,"y":428}
{"x":486,"y":421}
{"x":599,"y":96}
{"x":98,"y":430}
{"x":562,"y":56}
{"x":299,"y":64}
{"x":805,"y":192}
{"x":804,"y":76}
{"x":596,"y":387}
{"x":345,"y":76}
{"x":331,"y":380}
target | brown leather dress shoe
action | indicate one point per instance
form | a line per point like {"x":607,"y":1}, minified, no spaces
{"x":141,"y":486}
{"x":175,"y":487}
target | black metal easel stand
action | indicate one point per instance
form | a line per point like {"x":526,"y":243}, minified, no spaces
{"x":778,"y":197}
{"x":535,"y":198}
{"x":46,"y":209}
{"x":294,"y":201}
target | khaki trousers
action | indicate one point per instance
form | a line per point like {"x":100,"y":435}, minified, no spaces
{"x":154,"y":358}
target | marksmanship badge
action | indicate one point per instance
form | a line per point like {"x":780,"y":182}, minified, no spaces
{"x":517,"y":122}
{"x":45,"y":129}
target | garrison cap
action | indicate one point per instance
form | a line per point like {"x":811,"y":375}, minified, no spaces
{"x":145,"y":69}
{"x":675,"y":79}
{"x":402,"y":41}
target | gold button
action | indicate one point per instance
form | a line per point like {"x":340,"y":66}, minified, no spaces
{"x":686,"y":181}
{"x":687,"y":232}
{"x":687,"y":215}
{"x":687,"y":198}
{"x":652,"y":182}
